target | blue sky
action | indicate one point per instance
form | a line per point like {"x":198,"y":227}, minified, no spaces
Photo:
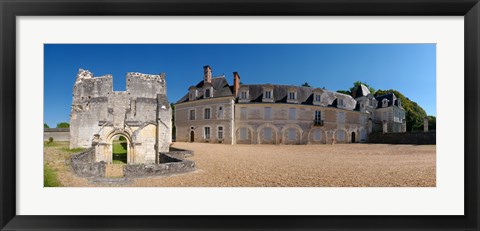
{"x":408,"y":68}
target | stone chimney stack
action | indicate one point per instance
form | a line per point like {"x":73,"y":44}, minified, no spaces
{"x":236,"y":83}
{"x":207,"y":74}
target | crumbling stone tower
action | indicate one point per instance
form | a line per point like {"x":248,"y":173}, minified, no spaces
{"x":141,"y":114}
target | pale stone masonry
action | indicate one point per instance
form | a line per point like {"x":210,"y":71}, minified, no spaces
{"x":141,"y":114}
{"x":216,"y":112}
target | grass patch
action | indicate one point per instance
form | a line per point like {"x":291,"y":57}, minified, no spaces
{"x":119,"y":152}
{"x":73,"y":150}
{"x":51,"y":144}
{"x":50,"y":177}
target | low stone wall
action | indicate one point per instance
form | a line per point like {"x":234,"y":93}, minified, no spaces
{"x":58,"y":134}
{"x":403,"y":138}
{"x":179,"y":153}
{"x":168,"y":165}
{"x":84,"y":165}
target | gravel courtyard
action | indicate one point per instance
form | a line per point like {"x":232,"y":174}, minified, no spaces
{"x":340,"y":165}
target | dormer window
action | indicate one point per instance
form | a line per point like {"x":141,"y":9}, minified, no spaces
{"x":268,"y":94}
{"x":192,"y":93}
{"x":292,"y":95}
{"x":243,"y":95}
{"x":207,"y":93}
{"x":399,"y":103}
{"x":318,"y":98}
{"x":384,"y":102}
{"x":340,"y":102}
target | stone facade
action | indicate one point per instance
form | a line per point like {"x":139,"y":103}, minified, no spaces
{"x":281,"y":114}
{"x":141,"y":114}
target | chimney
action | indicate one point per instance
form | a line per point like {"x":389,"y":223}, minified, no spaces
{"x":207,"y":74}
{"x":236,"y":83}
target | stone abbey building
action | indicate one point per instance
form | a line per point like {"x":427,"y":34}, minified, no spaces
{"x":216,"y":112}
{"x":141,"y":114}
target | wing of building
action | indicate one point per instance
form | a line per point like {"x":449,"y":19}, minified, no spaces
{"x":214,"y":111}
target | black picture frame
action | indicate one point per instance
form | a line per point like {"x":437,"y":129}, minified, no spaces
{"x":9,"y":9}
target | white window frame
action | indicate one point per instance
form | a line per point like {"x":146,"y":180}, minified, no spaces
{"x":340,"y":102}
{"x":205,"y":132}
{"x":205,"y":113}
{"x":268,"y":93}
{"x":190,"y":114}
{"x":318,"y":98}
{"x":222,"y":131}
{"x":292,"y":93}
{"x":220,"y":112}
{"x":244,"y":95}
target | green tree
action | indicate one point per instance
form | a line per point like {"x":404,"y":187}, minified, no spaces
{"x":414,"y":114}
{"x":354,"y":87}
{"x":344,"y":92}
{"x":306,"y":85}
{"x":432,"y":122}
{"x":63,"y":125}
{"x":45,"y":125}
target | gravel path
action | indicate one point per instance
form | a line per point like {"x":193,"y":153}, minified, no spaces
{"x":340,"y":165}
{"x":305,"y":166}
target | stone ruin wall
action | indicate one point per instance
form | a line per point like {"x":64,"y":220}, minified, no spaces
{"x":142,"y":114}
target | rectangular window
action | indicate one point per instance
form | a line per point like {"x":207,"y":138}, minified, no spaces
{"x":192,"y":114}
{"x":291,"y":134}
{"x":268,"y":94}
{"x":291,"y":95}
{"x":267,"y":133}
{"x":207,"y":132}
{"x":340,"y":102}
{"x":207,"y":114}
{"x":220,"y":132}
{"x":243,"y":113}
{"x":220,"y":112}
{"x":318,"y":115}
{"x":268,"y":113}
{"x":341,"y":117}
{"x":207,"y":93}
{"x":243,"y":95}
{"x":292,"y":114}
{"x":243,"y":133}
{"x":318,"y":98}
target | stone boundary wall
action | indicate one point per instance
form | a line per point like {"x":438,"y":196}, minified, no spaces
{"x":403,"y":138}
{"x":168,"y":165}
{"x":58,"y":134}
{"x":179,"y":153}
{"x":84,"y":165}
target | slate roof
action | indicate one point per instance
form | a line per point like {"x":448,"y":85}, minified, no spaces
{"x":361,"y":90}
{"x":220,"y":89}
{"x":390,"y":97}
{"x":304,"y":94}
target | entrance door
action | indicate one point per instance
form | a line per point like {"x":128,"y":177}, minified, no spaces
{"x":192,"y":136}
{"x":353,"y":137}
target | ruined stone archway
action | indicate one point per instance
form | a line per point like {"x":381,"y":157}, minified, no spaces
{"x":129,"y":147}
